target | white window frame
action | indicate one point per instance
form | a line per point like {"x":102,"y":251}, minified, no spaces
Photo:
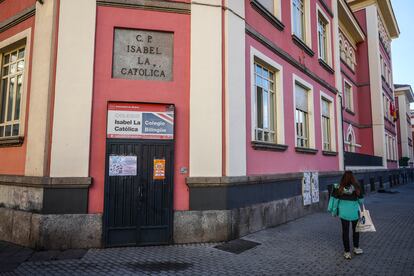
{"x":23,"y":35}
{"x":311,"y":114}
{"x":307,"y":31}
{"x":349,"y":100}
{"x":352,"y":145}
{"x":387,"y":146}
{"x":279,"y":108}
{"x":394,"y":148}
{"x":384,"y":100}
{"x":328,"y":42}
{"x":332,"y":119}
{"x":277,"y":8}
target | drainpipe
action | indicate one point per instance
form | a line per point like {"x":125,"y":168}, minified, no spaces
{"x":342,"y":126}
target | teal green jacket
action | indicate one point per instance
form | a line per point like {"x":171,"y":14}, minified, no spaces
{"x":346,"y":205}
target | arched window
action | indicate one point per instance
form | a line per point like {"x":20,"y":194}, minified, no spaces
{"x":351,"y":145}
{"x":350,"y":139}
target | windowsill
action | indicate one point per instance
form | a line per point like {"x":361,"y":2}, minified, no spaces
{"x":329,"y":153}
{"x":350,"y":111}
{"x":306,"y":150}
{"x":257,"y":145}
{"x":11,"y":141}
{"x":299,"y":42}
{"x":267,"y":15}
{"x":326,"y":66}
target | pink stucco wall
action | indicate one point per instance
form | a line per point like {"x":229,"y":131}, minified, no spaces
{"x":13,"y":158}
{"x":108,"y":89}
{"x":266,"y":162}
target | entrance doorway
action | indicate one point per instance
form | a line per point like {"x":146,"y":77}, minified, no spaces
{"x":139,"y":180}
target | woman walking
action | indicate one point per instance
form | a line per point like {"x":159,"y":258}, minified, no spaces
{"x":344,"y":202}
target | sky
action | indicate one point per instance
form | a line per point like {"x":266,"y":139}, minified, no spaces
{"x":403,"y":46}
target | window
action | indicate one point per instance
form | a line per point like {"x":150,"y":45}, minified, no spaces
{"x":273,"y":6}
{"x":11,"y":88}
{"x":323,"y":38}
{"x":267,"y":116}
{"x":351,"y":142}
{"x":264,"y":79}
{"x":382,"y":65}
{"x":387,"y":146}
{"x":394,"y":150}
{"x":348,"y":96}
{"x":301,"y":116}
{"x":326,"y":125}
{"x":298,"y":17}
{"x":386,"y":106}
{"x":389,"y":78}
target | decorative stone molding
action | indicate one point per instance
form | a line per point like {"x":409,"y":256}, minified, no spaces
{"x":347,"y":51}
{"x":383,"y":35}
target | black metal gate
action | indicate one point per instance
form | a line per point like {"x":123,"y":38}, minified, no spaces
{"x":139,"y":208}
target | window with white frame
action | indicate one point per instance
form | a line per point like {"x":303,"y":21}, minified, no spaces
{"x":394,"y":148}
{"x":323,"y":37}
{"x":264,"y":83}
{"x":298,"y":18}
{"x":351,"y":142}
{"x":348,"y":96}
{"x":386,"y":109}
{"x":302,"y":116}
{"x":11,"y":89}
{"x":389,"y":146}
{"x":273,"y":6}
{"x":326,"y":124}
{"x":387,"y":151}
{"x":389,"y":78}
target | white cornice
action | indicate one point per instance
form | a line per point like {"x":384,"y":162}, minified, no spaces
{"x":386,"y":9}
{"x":348,"y":21}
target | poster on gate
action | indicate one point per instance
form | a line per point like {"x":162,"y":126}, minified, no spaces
{"x":122,"y":165}
{"x":140,"y":121}
{"x":159,"y":169}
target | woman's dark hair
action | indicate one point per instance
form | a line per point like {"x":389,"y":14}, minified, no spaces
{"x":349,"y":179}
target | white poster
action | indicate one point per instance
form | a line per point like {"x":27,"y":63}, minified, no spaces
{"x":122,"y":165}
{"x":306,"y":188}
{"x":315,"y":187}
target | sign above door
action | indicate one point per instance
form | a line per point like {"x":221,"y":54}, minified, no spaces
{"x":142,"y":55}
{"x":140,"y":121}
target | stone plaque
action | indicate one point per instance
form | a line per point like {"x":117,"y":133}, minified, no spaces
{"x":142,"y":55}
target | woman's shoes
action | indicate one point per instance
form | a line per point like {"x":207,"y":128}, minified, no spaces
{"x":347,"y":255}
{"x":358,"y":251}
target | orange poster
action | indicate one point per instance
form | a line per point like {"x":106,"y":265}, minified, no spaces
{"x":159,"y":169}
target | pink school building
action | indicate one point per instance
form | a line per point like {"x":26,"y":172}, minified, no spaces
{"x":155,"y":122}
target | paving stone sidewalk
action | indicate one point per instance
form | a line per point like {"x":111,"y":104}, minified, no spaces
{"x":307,"y":246}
